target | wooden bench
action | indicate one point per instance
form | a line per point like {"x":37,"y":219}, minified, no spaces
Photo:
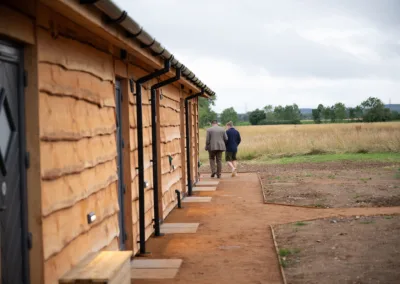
{"x":111,"y":267}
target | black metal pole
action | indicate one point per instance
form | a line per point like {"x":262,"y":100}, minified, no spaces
{"x":154,"y":142}
{"x":188,"y":158}
{"x":188,"y":168}
{"x":139,"y":118}
{"x":178,"y":196}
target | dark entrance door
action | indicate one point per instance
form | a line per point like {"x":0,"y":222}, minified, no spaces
{"x":120,"y":162}
{"x":13,"y":233}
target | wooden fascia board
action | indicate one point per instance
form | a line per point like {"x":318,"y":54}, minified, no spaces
{"x":16,"y":25}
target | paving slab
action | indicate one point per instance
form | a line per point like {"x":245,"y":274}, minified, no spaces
{"x":155,"y":263}
{"x":196,"y":199}
{"x":159,"y":273}
{"x":207,"y":183}
{"x":205,"y":188}
{"x":179,"y":228}
{"x":180,"y":225}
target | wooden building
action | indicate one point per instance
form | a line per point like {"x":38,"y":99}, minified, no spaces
{"x":76,"y":137}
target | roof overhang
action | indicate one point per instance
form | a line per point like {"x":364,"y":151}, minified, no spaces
{"x":105,"y":19}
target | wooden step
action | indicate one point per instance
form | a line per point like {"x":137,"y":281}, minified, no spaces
{"x":111,"y":267}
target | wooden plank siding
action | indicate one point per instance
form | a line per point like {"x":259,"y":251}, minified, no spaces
{"x":78,"y":147}
{"x":195,"y":138}
{"x":136,"y":72}
{"x":170,"y":139}
{"x":183,"y":143}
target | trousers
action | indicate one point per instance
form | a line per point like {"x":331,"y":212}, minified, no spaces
{"x":215,"y":157}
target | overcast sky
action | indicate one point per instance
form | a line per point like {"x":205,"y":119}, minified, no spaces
{"x":258,"y":52}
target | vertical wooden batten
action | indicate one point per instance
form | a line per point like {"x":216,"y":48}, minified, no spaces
{"x":126,"y":92}
{"x":34,"y":183}
{"x":183,"y":151}
{"x":190,"y":113}
{"x":196,"y":136}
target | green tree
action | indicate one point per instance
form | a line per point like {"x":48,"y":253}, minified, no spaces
{"x":352,"y":113}
{"x":340,"y":111}
{"x":358,"y":111}
{"x":316,"y":114}
{"x":229,"y":114}
{"x":374,"y":110}
{"x":279,"y":113}
{"x":256,"y":116}
{"x":269,"y":113}
{"x":292,"y":114}
{"x":332,"y":114}
{"x":395,"y":115}
{"x":206,"y":114}
{"x":327,"y":113}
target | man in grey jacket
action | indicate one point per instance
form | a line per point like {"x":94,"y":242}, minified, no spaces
{"x":215,"y":145}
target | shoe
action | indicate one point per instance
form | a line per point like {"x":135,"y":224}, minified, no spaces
{"x":234,"y":173}
{"x":218,"y":176}
{"x":213,"y":175}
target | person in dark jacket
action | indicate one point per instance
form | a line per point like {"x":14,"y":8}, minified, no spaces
{"x":232,"y":144}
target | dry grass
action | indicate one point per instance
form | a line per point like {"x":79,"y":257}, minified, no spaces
{"x":290,"y":140}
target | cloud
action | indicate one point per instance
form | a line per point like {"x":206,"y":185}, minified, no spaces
{"x":259,"y":52}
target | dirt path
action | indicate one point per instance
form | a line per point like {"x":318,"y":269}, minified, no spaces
{"x":234,"y":242}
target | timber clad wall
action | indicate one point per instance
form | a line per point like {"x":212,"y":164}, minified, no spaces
{"x":194,"y":139}
{"x":135,"y":73}
{"x":194,"y":134}
{"x":170,"y":139}
{"x":78,"y":150}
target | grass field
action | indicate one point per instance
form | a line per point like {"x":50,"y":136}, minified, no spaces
{"x":316,"y":142}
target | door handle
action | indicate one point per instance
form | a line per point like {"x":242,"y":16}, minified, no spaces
{"x":3,"y":208}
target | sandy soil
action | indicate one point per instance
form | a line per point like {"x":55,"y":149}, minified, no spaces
{"x":277,"y":168}
{"x":329,"y":185}
{"x":341,"y":250}
{"x":333,"y":185}
{"x":234,"y":242}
